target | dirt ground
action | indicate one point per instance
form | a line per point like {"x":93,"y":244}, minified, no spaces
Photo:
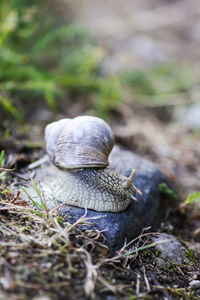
{"x":141,"y":33}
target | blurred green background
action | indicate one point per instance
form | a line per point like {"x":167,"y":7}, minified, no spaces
{"x":47,"y":60}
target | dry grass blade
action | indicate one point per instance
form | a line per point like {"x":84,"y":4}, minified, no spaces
{"x":114,"y":288}
{"x":145,"y":247}
{"x":7,"y":170}
{"x":91,"y":273}
{"x":84,"y":220}
{"x":146,"y":280}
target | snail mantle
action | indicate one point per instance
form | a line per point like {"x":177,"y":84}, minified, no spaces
{"x":106,"y":192}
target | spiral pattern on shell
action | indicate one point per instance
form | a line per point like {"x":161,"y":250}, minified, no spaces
{"x":84,"y":141}
{"x":51,"y":135}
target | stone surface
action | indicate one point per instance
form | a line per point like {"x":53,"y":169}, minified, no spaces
{"x":194,"y":284}
{"x":170,"y":250}
{"x":117,"y":228}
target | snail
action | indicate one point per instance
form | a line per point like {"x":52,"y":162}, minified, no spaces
{"x":80,"y":148}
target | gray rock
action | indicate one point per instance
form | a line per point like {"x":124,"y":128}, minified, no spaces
{"x":119,"y":227}
{"x":194,"y":284}
{"x":170,"y":250}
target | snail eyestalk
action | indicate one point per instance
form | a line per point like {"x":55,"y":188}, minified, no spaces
{"x":133,"y":197}
{"x":130,"y":180}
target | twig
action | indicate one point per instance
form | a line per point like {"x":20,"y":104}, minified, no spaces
{"x":16,"y":197}
{"x":146,"y":280}
{"x":138,"y":284}
{"x":7,"y":170}
{"x":19,"y":175}
{"x":158,"y":286}
{"x":39,"y":162}
{"x":138,"y":237}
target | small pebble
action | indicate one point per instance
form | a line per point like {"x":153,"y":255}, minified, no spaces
{"x":194,"y":284}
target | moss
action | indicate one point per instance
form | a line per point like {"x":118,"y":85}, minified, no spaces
{"x":163,"y":188}
{"x":183,"y":293}
{"x":191,"y":256}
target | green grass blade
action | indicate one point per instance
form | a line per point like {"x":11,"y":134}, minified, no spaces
{"x":37,"y":213}
{"x":145,"y":247}
{"x":64,"y":32}
{"x":2,"y":154}
{"x":7,"y":105}
{"x":49,"y":96}
{"x":43,"y":205}
{"x":36,"y":204}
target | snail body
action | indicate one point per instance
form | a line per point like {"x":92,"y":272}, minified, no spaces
{"x":80,"y":148}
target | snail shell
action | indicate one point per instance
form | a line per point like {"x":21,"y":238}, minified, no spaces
{"x":51,"y":135}
{"x":85,"y":142}
{"x":80,"y":148}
